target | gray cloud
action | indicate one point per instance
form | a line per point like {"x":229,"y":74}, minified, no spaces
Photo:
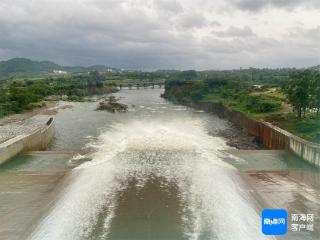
{"x":151,"y":34}
{"x":257,"y":5}
{"x":194,"y":20}
{"x":235,"y":32}
{"x":169,"y":5}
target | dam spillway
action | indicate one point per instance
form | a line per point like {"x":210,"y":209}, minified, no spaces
{"x":158,"y":171}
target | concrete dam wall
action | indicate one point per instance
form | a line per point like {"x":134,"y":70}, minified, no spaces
{"x":37,"y":140}
{"x":268,"y":135}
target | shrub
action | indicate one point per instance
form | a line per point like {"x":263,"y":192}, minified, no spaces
{"x":259,"y":104}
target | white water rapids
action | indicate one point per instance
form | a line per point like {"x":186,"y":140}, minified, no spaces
{"x":176,"y":154}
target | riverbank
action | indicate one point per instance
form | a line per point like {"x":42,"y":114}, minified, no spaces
{"x":239,"y":139}
{"x":265,"y":103}
{"x":268,"y":135}
{"x":23,"y":95}
{"x":47,"y":108}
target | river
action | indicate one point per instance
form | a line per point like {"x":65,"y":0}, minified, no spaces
{"x":154,"y":172}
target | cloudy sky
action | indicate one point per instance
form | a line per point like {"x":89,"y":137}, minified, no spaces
{"x":163,"y":34}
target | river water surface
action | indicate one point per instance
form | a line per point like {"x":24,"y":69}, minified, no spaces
{"x":154,"y":172}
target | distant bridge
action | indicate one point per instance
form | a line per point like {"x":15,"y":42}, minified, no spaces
{"x":141,"y":85}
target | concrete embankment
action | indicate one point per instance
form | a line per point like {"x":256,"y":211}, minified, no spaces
{"x":36,"y":140}
{"x":268,"y":135}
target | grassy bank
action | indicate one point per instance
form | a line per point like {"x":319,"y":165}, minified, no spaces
{"x":268,"y":103}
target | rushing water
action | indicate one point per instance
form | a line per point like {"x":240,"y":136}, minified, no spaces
{"x":154,"y":173}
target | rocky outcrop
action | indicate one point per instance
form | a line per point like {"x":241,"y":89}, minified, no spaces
{"x":240,"y":139}
{"x":111,"y":104}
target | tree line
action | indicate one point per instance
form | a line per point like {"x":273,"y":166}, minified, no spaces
{"x":233,"y":94}
{"x":17,"y":96}
{"x":303,"y":92}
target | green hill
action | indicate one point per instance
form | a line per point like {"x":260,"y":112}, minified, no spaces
{"x":23,"y":66}
{"x":26,"y":67}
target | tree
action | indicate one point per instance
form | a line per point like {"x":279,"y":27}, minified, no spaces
{"x":186,"y":75}
{"x":21,"y":97}
{"x":316,"y":92}
{"x":259,"y":104}
{"x":95,"y":79}
{"x":95,"y":75}
{"x":199,"y":89}
{"x":298,"y":90}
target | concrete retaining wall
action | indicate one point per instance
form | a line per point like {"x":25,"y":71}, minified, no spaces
{"x":269,"y":135}
{"x":37,"y":140}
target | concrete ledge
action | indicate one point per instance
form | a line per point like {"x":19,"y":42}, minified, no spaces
{"x":37,"y":140}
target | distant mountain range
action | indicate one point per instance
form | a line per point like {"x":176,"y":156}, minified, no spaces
{"x":27,"y":67}
{"x":24,"y":67}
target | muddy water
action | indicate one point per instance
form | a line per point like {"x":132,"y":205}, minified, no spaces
{"x":155,"y":173}
{"x":151,"y":173}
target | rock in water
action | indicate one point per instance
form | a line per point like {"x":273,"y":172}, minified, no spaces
{"x":111,"y":105}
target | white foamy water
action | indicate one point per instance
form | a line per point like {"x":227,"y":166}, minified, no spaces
{"x":177,"y":152}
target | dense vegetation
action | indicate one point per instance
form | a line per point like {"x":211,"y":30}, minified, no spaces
{"x":250,"y":76}
{"x":232,"y":94}
{"x":17,"y":96}
{"x":289,"y":98}
{"x":292,"y":102}
{"x":303,"y":91}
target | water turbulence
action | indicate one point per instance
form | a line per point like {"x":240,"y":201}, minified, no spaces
{"x":154,"y":180}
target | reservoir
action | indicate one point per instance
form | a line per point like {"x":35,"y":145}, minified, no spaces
{"x":159,"y":171}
